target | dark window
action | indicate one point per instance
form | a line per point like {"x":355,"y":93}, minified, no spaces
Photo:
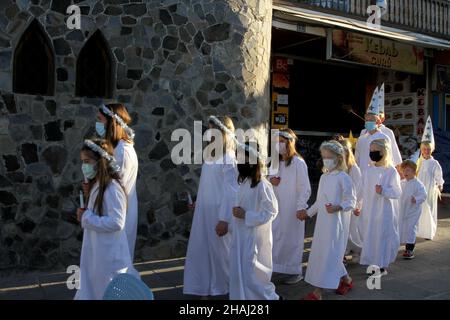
{"x":34,"y":63}
{"x":94,"y":68}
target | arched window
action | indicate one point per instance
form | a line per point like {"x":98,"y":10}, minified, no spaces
{"x":95,"y":68}
{"x":34,"y":63}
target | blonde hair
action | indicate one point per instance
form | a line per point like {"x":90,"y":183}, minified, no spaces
{"x":333,"y":146}
{"x":291,"y":151}
{"x":383,"y":144}
{"x":228,"y":141}
{"x":420,"y":160}
{"x":349,"y":156}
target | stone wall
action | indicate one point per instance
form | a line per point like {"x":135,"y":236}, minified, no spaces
{"x":176,"y":61}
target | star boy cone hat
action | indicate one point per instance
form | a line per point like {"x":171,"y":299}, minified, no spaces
{"x":428,"y":134}
{"x":373,"y":106}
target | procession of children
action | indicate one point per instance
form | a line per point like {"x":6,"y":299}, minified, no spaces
{"x":249,"y":220}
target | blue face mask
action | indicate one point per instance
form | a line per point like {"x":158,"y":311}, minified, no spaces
{"x":89,"y":170}
{"x":100,"y":128}
{"x":371,"y":125}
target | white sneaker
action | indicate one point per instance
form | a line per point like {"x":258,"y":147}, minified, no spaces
{"x":293,"y":279}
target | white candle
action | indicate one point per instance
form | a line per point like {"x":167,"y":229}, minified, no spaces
{"x":81,"y":200}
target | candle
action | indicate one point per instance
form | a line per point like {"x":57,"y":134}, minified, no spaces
{"x":190,"y":202}
{"x":81,"y":200}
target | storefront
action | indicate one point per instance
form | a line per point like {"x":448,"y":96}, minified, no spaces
{"x":323,"y":77}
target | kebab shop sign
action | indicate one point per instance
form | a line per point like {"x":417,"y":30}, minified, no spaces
{"x":357,"y":48}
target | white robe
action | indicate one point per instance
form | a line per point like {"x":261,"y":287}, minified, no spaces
{"x":430,"y":173}
{"x":362,"y":150}
{"x":396,"y":155}
{"x":251,"y":244}
{"x":379,"y":219}
{"x":325,"y":266}
{"x":126,"y":158}
{"x":288,"y":232}
{"x":104,"y":252}
{"x":410,"y":212}
{"x":354,"y":237}
{"x":206,"y":270}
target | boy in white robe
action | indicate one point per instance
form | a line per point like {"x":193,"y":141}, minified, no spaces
{"x":251,"y":244}
{"x":335,"y":202}
{"x":206,"y":271}
{"x":104,"y":253}
{"x":292,"y":189}
{"x":430,"y":173}
{"x":410,"y":205}
{"x":377,"y":205}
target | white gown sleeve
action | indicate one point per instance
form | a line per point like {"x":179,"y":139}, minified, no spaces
{"x":392,"y":188}
{"x":114,"y":219}
{"x":229,"y":192}
{"x":119,"y":155}
{"x":360,"y":191}
{"x":348,"y":194}
{"x":396,"y":155}
{"x":268,"y":207}
{"x":303,"y":185}
{"x":421,"y":194}
{"x":438,"y":176}
{"x":358,"y":151}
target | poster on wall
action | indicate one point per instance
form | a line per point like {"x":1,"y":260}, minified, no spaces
{"x":280,"y":93}
{"x":405,"y":110}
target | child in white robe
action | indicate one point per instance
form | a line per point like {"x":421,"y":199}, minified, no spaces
{"x":377,"y":205}
{"x":112,"y":125}
{"x":430,"y":173}
{"x":336,"y":199}
{"x":206,"y":271}
{"x":292,"y":189}
{"x":354,"y":244}
{"x":410,"y":205}
{"x":104,"y":253}
{"x":251,"y":244}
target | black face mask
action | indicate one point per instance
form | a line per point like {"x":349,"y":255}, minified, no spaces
{"x":375,"y":156}
{"x":245,"y":169}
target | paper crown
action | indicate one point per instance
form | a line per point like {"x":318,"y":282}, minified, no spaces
{"x":373,"y":106}
{"x":428,"y":134}
{"x":381,"y":99}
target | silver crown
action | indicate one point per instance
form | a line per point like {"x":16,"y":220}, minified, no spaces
{"x":128,"y":130}
{"x":104,"y":154}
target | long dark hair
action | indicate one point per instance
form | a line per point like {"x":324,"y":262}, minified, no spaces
{"x":114,"y":132}
{"x":255,"y":173}
{"x":105,"y":175}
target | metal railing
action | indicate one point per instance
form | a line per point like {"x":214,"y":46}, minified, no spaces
{"x":424,"y":16}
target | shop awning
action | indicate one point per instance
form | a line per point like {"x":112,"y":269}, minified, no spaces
{"x":287,"y":13}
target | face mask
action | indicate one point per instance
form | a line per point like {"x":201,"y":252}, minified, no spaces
{"x":329,"y":164}
{"x":370,"y":125}
{"x":100,"y":128}
{"x":280,"y":147}
{"x":375,"y":156}
{"x":245,"y":169}
{"x":89,"y":170}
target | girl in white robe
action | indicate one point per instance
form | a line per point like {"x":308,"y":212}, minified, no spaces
{"x":377,"y":205}
{"x":410,"y":206}
{"x":336,"y":199}
{"x":430,"y":173}
{"x":251,"y":244}
{"x":354,"y":244}
{"x":112,"y":124}
{"x":206,"y":271}
{"x":292,"y":189}
{"x":104,"y":253}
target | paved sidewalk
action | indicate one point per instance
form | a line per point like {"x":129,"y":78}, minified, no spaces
{"x":425,"y":277}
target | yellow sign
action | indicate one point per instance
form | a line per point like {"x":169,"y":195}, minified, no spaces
{"x":378,"y":52}
{"x":280,"y":114}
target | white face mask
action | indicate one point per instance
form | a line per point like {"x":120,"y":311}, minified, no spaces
{"x":329,"y":164}
{"x":280,"y":147}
